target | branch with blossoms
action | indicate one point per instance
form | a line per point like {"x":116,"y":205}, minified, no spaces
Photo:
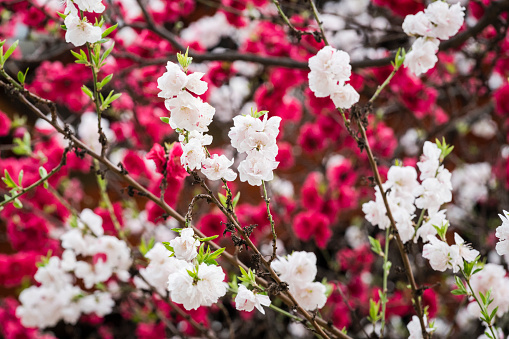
{"x":256,"y":157}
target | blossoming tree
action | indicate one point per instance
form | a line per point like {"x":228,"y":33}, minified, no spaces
{"x":254,"y":168}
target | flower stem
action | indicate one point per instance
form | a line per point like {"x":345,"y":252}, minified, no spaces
{"x":384,"y":284}
{"x":315,"y":13}
{"x":385,"y":83}
{"x":271,"y":220}
{"x":283,"y":312}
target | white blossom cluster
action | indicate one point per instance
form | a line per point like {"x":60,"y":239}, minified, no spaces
{"x":299,"y":271}
{"x":79,"y":30}
{"x":108,"y":254}
{"x":256,"y":138}
{"x":330,"y":70}
{"x":58,"y":298}
{"x":470,"y":184}
{"x":405,"y":194}
{"x":443,"y":256}
{"x":437,"y":21}
{"x":191,"y":117}
{"x":190,"y":283}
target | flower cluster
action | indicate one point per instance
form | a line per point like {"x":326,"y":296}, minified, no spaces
{"x":191,"y":116}
{"x":437,"y":21}
{"x":330,"y":70}
{"x":58,"y":298}
{"x":79,"y":30}
{"x":256,"y":138}
{"x":405,"y":194}
{"x":108,"y":254}
{"x":443,"y":256}
{"x":299,"y":271}
{"x":192,"y":278}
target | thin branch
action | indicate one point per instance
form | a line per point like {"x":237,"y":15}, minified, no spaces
{"x":38,"y":182}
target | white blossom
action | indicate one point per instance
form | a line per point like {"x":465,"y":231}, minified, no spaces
{"x":441,"y":256}
{"x":174,"y":81}
{"x":80,"y":31}
{"x":205,"y":291}
{"x":217,"y":167}
{"x":329,"y":67}
{"x":296,"y":269}
{"x":422,"y":57}
{"x":189,"y":113}
{"x":429,"y":161}
{"x":310,"y":296}
{"x":414,"y":327}
{"x":93,"y":274}
{"x":417,"y":24}
{"x":465,"y":250}
{"x":246,"y":300}
{"x":502,"y":234}
{"x":446,"y":20}
{"x":256,"y":168}
{"x":92,"y":221}
{"x":185,"y":246}
{"x":344,"y":96}
{"x":243,"y":126}
{"x":99,"y":303}
{"x":193,"y":154}
{"x":160,"y":267}
{"x":90,"y":5}
{"x":52,"y":274}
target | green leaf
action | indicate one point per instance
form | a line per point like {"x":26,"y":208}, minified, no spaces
{"x":217,"y":252}
{"x":144,"y":247}
{"x":236,"y":200}
{"x":375,"y":246}
{"x":222,"y":199}
{"x":493,"y":313}
{"x":107,"y":52}
{"x":45,"y":184}
{"x":458,"y":292}
{"x":166,"y":120}
{"x":168,"y":247}
{"x":7,"y":179}
{"x":17,"y":203}
{"x":208,"y":238}
{"x":23,"y":146}
{"x":21,"y":78}
{"x":104,"y":82}
{"x":87,"y":91}
{"x":20,"y":178}
{"x":374,"y":309}
{"x":108,"y":31}
{"x":177,"y":229}
{"x":77,"y":55}
{"x":42,"y":172}
{"x":63,"y":16}
{"x":10,"y":51}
